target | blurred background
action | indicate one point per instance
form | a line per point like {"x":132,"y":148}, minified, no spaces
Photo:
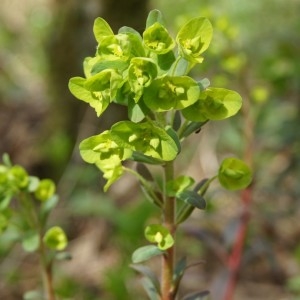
{"x":255,"y":51}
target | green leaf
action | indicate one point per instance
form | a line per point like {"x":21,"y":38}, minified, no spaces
{"x":47,"y":207}
{"x":144,"y":253}
{"x":45,"y":190}
{"x":101,"y":29}
{"x":144,"y":172}
{"x":193,"y":127}
{"x":157,"y":39}
{"x":55,"y":238}
{"x":214,"y":104}
{"x":19,"y":176}
{"x":168,"y":93}
{"x":159,"y":234}
{"x":178,"y":273}
{"x":137,"y":111}
{"x":97,"y":100}
{"x":120,"y":47}
{"x":103,"y":151}
{"x":33,"y":295}
{"x":234,"y":174}
{"x":103,"y":88}
{"x":194,"y":38}
{"x":154,"y":16}
{"x":165,"y":61}
{"x":150,"y":289}
{"x":146,"y":138}
{"x":179,"y":184}
{"x":148,"y":273}
{"x":102,"y":65}
{"x":197,"y":296}
{"x":4,"y":220}
{"x":192,"y":198}
{"x":33,"y":183}
{"x":30,"y":241}
{"x":126,"y":30}
{"x":141,"y":72}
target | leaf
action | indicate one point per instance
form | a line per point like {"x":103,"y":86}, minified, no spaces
{"x":234,"y":174}
{"x":146,"y":138}
{"x":192,"y":198}
{"x":168,"y":93}
{"x":153,"y":17}
{"x":19,"y":176}
{"x":214,"y":104}
{"x":33,"y":295}
{"x":178,"y":273}
{"x":141,"y":72}
{"x":159,"y":234}
{"x":148,"y":273}
{"x":144,"y":253}
{"x":194,"y":38}
{"x":179,"y":184}
{"x":193,"y":127}
{"x":47,"y":207}
{"x":157,"y":39}
{"x":30,"y":241}
{"x":126,"y":29}
{"x":197,"y":296}
{"x":55,"y":238}
{"x":152,"y":293}
{"x":144,"y":172}
{"x":101,"y":29}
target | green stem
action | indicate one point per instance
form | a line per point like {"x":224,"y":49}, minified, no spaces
{"x":167,"y":288}
{"x":46,"y":267}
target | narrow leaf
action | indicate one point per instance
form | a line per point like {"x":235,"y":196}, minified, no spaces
{"x":150,"y":289}
{"x":144,"y":253}
{"x":147,"y":272}
{"x":192,"y":198}
{"x":197,"y":296}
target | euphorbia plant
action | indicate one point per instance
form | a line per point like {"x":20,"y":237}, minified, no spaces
{"x":148,"y":74}
{"x":34,"y":199}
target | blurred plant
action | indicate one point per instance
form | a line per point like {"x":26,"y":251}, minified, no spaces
{"x":165,"y":106}
{"x":35,"y":199}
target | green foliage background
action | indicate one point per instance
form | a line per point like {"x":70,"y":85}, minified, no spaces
{"x":255,"y":51}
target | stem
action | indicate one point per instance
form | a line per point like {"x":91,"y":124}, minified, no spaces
{"x":167,"y":288}
{"x":46,"y":271}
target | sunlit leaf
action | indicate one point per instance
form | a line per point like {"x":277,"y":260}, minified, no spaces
{"x":194,"y":38}
{"x":146,"y":138}
{"x":169,"y":92}
{"x":157,"y":39}
{"x":159,"y":234}
{"x":179,"y":184}
{"x":214,"y":104}
{"x":154,"y":16}
{"x":101,"y":29}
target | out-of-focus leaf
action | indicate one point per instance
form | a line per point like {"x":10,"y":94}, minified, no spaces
{"x":144,"y":253}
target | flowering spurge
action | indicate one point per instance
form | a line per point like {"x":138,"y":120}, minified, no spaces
{"x":148,"y":73}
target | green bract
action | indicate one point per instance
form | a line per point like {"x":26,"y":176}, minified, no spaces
{"x":120,"y":47}
{"x":101,"y":29}
{"x":45,"y":190}
{"x":159,"y":234}
{"x":194,"y":38}
{"x":19,"y":176}
{"x":171,"y":92}
{"x":55,"y":238}
{"x":146,"y":138}
{"x":214,"y":104}
{"x":234,"y":174}
{"x":106,"y":154}
{"x":141,"y":73}
{"x":157,"y":39}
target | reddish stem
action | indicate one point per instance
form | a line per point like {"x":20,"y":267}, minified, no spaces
{"x":234,"y":259}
